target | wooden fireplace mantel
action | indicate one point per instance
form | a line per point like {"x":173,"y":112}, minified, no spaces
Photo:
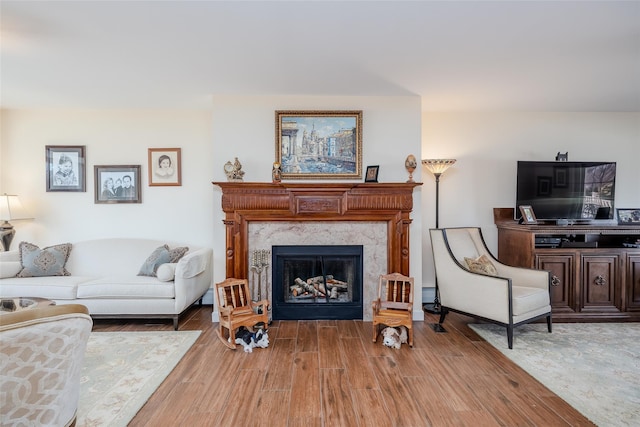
{"x":244,"y":202}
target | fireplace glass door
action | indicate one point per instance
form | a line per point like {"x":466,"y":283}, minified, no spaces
{"x":317,"y":282}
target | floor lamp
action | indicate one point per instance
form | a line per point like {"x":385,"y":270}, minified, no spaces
{"x":437,"y":168}
{"x":10,"y":209}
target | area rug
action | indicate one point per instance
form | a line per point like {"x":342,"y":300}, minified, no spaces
{"x":595,"y":367}
{"x":123,"y":369}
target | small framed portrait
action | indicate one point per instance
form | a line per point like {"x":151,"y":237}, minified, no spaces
{"x":372,"y":174}
{"x":628,"y":216}
{"x":66,"y":169}
{"x":117,"y":184}
{"x":165,"y":167}
{"x":528,"y":217}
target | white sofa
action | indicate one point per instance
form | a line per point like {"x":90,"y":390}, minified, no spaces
{"x":104,"y":278}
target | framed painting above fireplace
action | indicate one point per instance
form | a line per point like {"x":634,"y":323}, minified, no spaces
{"x":319,"y":144}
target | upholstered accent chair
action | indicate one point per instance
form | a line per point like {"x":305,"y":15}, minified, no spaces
{"x":41,"y":358}
{"x":472,"y":282}
{"x":237,"y":309}
{"x":394,"y":305}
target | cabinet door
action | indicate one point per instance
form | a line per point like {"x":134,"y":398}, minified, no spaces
{"x":601,"y":283}
{"x":633,"y":283}
{"x":563,"y":283}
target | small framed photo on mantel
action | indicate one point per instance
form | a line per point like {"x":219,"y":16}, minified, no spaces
{"x":372,"y":174}
{"x":528,"y":217}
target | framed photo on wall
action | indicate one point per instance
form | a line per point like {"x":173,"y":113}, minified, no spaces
{"x":319,"y":144}
{"x":165,"y":167}
{"x":117,"y":184}
{"x":528,"y":217}
{"x":66,"y":169}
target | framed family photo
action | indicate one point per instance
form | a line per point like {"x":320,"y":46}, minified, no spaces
{"x":319,"y":144}
{"x":165,"y":167}
{"x":66,"y":170}
{"x":117,"y":184}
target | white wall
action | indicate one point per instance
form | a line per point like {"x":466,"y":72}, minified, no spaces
{"x":111,"y":137}
{"x":487,"y":147}
{"x":245,"y":127}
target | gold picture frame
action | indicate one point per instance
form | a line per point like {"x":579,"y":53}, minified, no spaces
{"x":319,"y":144}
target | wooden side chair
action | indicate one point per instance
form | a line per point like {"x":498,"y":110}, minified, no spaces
{"x":236,"y":309}
{"x":394,"y":305}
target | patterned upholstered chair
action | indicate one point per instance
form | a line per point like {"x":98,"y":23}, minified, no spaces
{"x":41,"y":357}
{"x":472,"y":282}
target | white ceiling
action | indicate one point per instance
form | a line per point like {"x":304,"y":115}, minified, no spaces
{"x":455,"y":55}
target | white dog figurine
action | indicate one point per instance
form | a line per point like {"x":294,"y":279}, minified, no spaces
{"x":394,"y":337}
{"x":250,"y":340}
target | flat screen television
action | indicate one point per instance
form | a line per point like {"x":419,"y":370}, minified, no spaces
{"x":566,"y":190}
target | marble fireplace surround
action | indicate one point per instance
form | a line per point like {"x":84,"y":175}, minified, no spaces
{"x":375,"y":215}
{"x":371,"y":235}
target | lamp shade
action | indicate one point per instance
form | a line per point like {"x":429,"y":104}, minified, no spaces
{"x":438,"y":166}
{"x":11,"y":208}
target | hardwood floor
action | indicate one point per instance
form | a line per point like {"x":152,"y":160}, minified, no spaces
{"x":329,"y":373}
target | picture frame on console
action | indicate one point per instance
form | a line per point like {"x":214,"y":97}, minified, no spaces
{"x":319,"y":144}
{"x":117,"y":184}
{"x":372,"y":174}
{"x":528,"y":216}
{"x":165,"y":167}
{"x":628,"y":216}
{"x":66,"y":167}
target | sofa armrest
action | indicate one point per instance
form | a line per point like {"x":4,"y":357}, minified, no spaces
{"x":193,"y":277}
{"x":10,"y":256}
{"x":193,"y":263}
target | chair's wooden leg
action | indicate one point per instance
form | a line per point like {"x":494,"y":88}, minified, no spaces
{"x":549,"y":323}
{"x":231,"y":344}
{"x":510,"y":336}
{"x":375,"y":332}
{"x":410,"y":337}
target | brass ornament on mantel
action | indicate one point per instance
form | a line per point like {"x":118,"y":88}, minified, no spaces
{"x":411,"y":164}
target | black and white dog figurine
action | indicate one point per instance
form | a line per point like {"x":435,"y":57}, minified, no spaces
{"x":394,"y":337}
{"x":250,"y":340}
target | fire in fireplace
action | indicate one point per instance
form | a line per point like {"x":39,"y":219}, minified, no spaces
{"x":317,"y":282}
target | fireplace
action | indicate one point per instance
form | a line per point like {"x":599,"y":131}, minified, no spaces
{"x":259,"y":216}
{"x":317,"y":282}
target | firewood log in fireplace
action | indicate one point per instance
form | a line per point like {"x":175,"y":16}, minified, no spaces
{"x":301,"y":287}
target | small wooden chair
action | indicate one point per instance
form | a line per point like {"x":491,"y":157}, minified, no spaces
{"x":394,"y":305}
{"x":236,"y":309}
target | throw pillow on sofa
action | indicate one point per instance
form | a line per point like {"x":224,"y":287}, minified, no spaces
{"x":49,"y":261}
{"x":161,"y":255}
{"x":166,"y":272}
